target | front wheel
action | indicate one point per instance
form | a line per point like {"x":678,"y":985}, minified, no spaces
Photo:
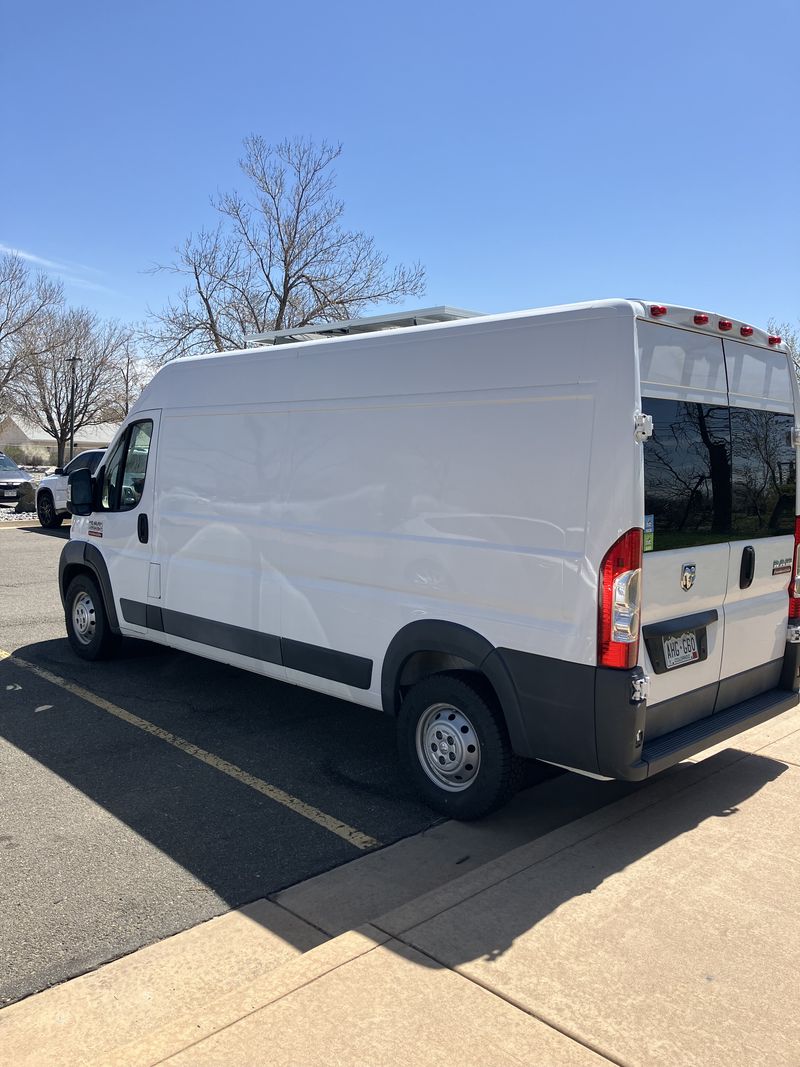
{"x":454,"y":744}
{"x":87,"y":623}
{"x":46,"y":510}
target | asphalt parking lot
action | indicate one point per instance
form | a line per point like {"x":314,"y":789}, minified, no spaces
{"x":143,"y":795}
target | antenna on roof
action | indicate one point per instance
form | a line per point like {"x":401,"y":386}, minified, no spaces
{"x":322,"y":330}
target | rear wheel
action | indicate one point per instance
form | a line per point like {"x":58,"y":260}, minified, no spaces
{"x":455,"y":747}
{"x":46,"y":510}
{"x":87,"y":622}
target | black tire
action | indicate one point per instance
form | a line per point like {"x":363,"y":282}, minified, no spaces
{"x":46,"y":510}
{"x":87,"y":622}
{"x":455,"y":717}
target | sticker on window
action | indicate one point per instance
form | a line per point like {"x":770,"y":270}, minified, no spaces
{"x":649,"y":533}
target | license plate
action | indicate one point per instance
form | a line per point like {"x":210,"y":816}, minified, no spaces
{"x":680,"y":649}
{"x":9,"y":492}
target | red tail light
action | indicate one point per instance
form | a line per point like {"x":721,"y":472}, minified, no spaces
{"x":619,"y":601}
{"x":701,"y":319}
{"x":657,"y":310}
{"x":725,"y":324}
{"x":746,"y":331}
{"x":774,"y":339}
{"x":794,"y":584}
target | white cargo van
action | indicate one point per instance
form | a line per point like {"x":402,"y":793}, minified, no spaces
{"x":566,"y":534}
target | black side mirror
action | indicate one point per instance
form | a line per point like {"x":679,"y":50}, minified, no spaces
{"x":81,"y":493}
{"x":58,"y":470}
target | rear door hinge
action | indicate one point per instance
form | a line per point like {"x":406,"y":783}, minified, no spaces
{"x":640,"y":689}
{"x":642,"y":427}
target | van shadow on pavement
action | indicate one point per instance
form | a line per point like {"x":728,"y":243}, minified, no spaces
{"x":488,"y":923}
{"x":60,"y":531}
{"x":210,"y":830}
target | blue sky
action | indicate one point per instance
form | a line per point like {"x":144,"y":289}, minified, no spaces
{"x":527,"y":154}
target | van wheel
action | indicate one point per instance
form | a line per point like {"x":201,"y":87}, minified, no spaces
{"x":454,"y":744}
{"x":46,"y":510}
{"x":87,"y":623}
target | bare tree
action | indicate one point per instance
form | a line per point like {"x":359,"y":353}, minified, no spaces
{"x":279,"y":257}
{"x":23,"y":301}
{"x":132,"y":375}
{"x":791,"y":338}
{"x":42,"y":391}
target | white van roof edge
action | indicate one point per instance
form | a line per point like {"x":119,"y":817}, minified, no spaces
{"x":469,"y":318}
{"x":708,"y":322}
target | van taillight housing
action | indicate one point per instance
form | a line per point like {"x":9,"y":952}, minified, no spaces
{"x":794,"y":584}
{"x":619,"y":603}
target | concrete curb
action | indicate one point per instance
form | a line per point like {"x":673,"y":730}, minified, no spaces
{"x":222,"y":1013}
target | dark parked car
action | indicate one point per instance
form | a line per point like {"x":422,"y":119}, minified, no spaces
{"x":12,"y":479}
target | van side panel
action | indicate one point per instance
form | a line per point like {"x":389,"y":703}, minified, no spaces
{"x":220,"y":476}
{"x":455,"y":506}
{"x":330,"y":494}
{"x":465,"y":504}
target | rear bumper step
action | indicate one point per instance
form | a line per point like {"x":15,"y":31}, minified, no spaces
{"x":671,"y":748}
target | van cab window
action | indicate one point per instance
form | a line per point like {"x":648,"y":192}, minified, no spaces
{"x":126,"y":470}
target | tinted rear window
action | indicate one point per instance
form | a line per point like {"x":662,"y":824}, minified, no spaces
{"x":714,"y":473}
{"x":764,"y":473}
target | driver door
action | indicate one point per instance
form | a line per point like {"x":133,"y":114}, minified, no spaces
{"x":122,"y":525}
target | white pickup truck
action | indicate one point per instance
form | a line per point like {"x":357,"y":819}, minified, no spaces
{"x":51,"y":494}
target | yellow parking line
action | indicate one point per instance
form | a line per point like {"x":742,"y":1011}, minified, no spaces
{"x":335,"y":826}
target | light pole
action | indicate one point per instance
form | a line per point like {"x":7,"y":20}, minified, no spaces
{"x":73,"y":360}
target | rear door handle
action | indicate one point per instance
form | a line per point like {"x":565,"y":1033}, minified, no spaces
{"x":748,"y":567}
{"x":143,"y":529}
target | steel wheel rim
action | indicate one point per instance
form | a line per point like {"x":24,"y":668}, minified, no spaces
{"x":84,"y":618}
{"x":448,"y":748}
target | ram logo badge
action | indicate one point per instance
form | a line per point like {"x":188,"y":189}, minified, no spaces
{"x":688,"y":574}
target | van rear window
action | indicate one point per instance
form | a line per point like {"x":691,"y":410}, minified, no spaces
{"x":713,"y":473}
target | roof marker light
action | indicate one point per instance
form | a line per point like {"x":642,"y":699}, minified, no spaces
{"x":657,"y":309}
{"x":701,"y":319}
{"x":774,"y":339}
{"x":725,"y":324}
{"x":746,"y":331}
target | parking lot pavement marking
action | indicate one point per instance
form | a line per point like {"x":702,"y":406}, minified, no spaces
{"x":335,"y":826}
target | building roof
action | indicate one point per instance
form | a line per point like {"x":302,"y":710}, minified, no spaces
{"x":98,"y":433}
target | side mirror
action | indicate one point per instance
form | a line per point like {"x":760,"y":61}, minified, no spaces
{"x":81,"y":493}
{"x":58,"y":470}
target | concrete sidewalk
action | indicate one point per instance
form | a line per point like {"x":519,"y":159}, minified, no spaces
{"x":662,"y":929}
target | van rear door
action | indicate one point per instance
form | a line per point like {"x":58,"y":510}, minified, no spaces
{"x":687,"y":484}
{"x":763,"y":470}
{"x":719,"y":478}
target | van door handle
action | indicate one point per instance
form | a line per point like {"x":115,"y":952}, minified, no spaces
{"x":142,"y":529}
{"x":748,"y":567}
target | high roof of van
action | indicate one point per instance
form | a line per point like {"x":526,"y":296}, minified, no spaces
{"x":169,"y":378}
